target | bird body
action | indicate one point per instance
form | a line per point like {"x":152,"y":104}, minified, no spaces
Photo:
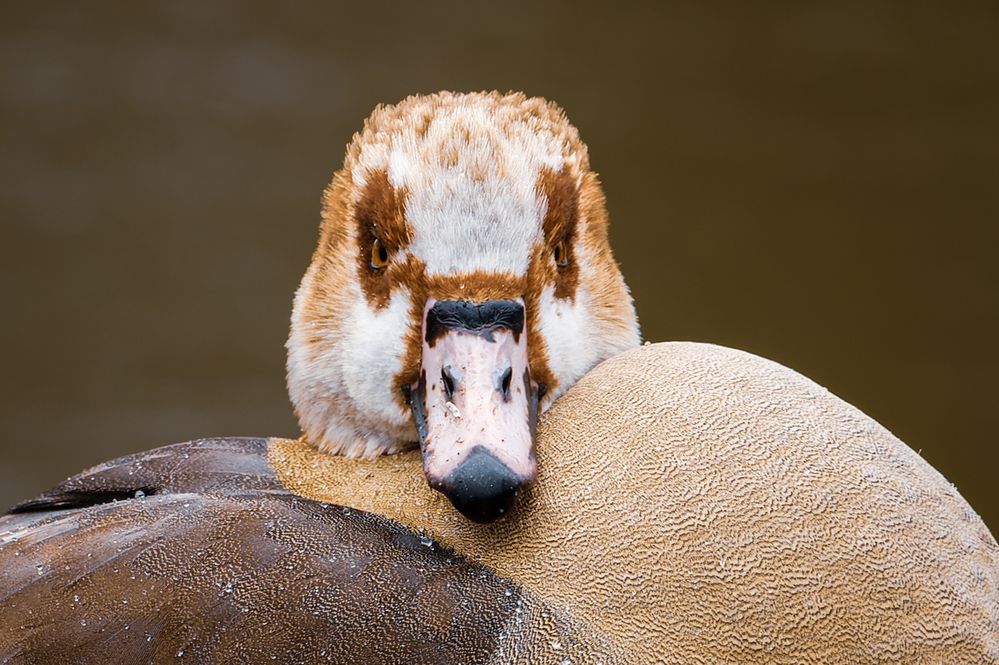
{"x":694,"y":504}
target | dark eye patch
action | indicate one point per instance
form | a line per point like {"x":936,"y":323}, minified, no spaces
{"x":561,"y":226}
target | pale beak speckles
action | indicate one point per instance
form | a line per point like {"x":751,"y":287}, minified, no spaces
{"x":475,"y":405}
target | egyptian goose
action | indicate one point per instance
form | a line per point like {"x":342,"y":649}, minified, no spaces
{"x":692,"y":504}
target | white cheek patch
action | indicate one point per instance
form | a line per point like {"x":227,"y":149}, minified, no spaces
{"x":566,"y":326}
{"x":371,"y":353}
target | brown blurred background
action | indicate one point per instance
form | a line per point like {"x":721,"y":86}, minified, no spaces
{"x":815,"y":183}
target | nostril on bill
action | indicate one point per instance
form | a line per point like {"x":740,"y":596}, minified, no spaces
{"x":447,"y":378}
{"x":504,"y":383}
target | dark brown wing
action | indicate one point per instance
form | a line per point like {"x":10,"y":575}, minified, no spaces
{"x":195,"y":553}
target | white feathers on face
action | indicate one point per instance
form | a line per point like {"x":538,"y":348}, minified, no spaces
{"x":341,"y":385}
{"x":469,"y":168}
{"x":471,"y":180}
{"x":474,"y":205}
{"x":371,"y":353}
{"x":575,"y":337}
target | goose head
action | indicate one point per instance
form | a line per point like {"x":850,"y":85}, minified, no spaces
{"x":463,"y":280}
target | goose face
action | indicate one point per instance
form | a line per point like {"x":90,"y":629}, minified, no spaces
{"x":463,"y":281}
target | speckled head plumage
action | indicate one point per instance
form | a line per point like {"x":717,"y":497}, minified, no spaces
{"x":471,"y":198}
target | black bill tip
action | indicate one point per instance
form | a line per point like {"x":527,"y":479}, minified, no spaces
{"x":482,"y":487}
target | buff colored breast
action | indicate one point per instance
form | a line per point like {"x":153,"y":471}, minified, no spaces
{"x":699,"y":504}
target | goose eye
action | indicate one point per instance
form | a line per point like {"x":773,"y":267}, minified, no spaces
{"x":379,"y":255}
{"x":561,"y":254}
